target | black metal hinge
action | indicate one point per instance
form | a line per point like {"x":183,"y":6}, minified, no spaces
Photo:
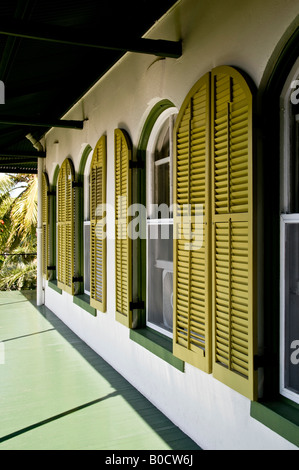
{"x":51,"y":193}
{"x":136,"y":164}
{"x":51,"y":268}
{"x":77,"y":184}
{"x":138,"y":305}
{"x":78,"y":279}
{"x":258,"y":362}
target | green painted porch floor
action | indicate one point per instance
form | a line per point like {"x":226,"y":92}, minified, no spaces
{"x":58,"y":394}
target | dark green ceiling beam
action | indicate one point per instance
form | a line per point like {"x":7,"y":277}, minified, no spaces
{"x":14,"y":161}
{"x":17,"y":169}
{"x":21,"y":156}
{"x":85,"y":38}
{"x":20,"y":121}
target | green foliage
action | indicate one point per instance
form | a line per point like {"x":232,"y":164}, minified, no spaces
{"x":18,"y":221}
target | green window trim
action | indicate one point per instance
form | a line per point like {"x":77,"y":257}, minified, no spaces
{"x":83,"y":161}
{"x":45,"y":225}
{"x":281,"y":416}
{"x":83,"y":301}
{"x":158,"y":344}
{"x":53,"y":225}
{"x":54,"y":286}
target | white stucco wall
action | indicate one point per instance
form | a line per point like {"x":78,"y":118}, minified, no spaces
{"x":214,"y":32}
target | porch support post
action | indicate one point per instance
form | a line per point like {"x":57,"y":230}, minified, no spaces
{"x":39,"y":285}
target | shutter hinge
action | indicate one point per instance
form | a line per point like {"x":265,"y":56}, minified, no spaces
{"x":51,"y":193}
{"x":258,"y":362}
{"x":78,"y":279}
{"x":77,"y":184}
{"x":139,"y":164}
{"x":51,"y":268}
{"x":139,"y":304}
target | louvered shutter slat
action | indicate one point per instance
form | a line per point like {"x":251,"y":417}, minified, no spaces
{"x":233,"y":309}
{"x":97,"y":226}
{"x":123,"y":150}
{"x":66,"y":229}
{"x":191,"y":339}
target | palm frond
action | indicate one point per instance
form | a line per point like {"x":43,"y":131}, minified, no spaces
{"x":18,"y":220}
{"x":18,"y":276}
{"x":24,"y":210}
{"x":6,"y":183}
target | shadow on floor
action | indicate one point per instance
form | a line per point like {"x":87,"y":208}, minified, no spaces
{"x":160,"y":425}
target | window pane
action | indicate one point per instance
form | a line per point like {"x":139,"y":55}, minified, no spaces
{"x":160,"y":275}
{"x":162,"y":167}
{"x":294,"y":164}
{"x":162,"y":148}
{"x":162,"y":184}
{"x":292,"y":307}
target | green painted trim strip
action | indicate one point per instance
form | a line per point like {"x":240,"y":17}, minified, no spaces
{"x":83,"y":161}
{"x":55,"y":177}
{"x":53,"y":285}
{"x":157,"y":344}
{"x":278,"y":416}
{"x":157,"y":109}
{"x":83,"y":301}
{"x":53,"y":258}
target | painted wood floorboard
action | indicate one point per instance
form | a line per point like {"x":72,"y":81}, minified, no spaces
{"x":58,"y":394}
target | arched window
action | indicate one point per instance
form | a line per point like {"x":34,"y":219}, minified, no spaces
{"x":84,"y":175}
{"x":279,"y":93}
{"x":159,"y":189}
{"x":289,"y":237}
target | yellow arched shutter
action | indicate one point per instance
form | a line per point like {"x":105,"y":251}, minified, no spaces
{"x":45,"y":225}
{"x":66,"y":210}
{"x":192,"y":312}
{"x":97,"y":226}
{"x":233,"y":240}
{"x":123,"y":262}
{"x":214,"y":283}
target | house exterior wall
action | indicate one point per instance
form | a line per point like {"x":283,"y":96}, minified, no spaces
{"x":243,"y":34}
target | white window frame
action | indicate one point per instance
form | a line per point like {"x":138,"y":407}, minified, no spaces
{"x":286,"y":216}
{"x":150,"y":164}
